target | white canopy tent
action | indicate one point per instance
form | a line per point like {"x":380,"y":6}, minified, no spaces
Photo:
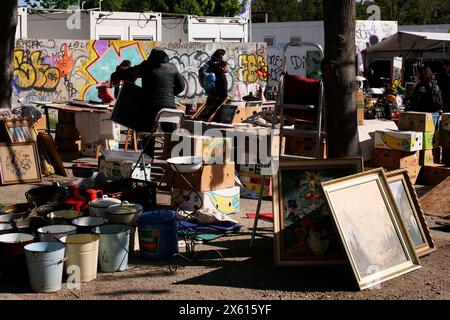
{"x":405,"y":42}
{"x":410,"y":46}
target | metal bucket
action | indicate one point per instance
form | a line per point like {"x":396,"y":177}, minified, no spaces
{"x":113,"y":248}
{"x":12,"y":255}
{"x":45,"y":265}
{"x":25,"y":208}
{"x":54,"y":232}
{"x":82,"y":252}
{"x":86,"y":224}
{"x":6,"y":228}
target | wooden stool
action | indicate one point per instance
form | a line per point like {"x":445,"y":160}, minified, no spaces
{"x":127,"y":140}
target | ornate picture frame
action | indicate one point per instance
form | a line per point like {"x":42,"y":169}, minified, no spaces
{"x":411,"y":211}
{"x":376,"y":241}
{"x":19,"y":163}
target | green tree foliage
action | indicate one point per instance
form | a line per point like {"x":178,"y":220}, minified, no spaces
{"x":408,"y":11}
{"x":196,"y":7}
{"x":278,"y":10}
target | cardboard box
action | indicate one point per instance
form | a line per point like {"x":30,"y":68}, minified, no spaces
{"x":40,"y":124}
{"x":427,"y":157}
{"x":430,"y":140}
{"x":435,"y":174}
{"x":444,"y":138}
{"x":446,"y":156}
{"x":117,"y":165}
{"x":399,"y":140}
{"x":68,"y":145}
{"x":415,"y":173}
{"x":211,"y":149}
{"x":360,"y":116}
{"x":255,"y":187}
{"x":395,"y":159}
{"x":220,"y":202}
{"x":90,"y":149}
{"x":302,"y":146}
{"x":251,"y":168}
{"x":66,"y":117}
{"x":418,"y":121}
{"x":254,"y":178}
{"x":67,"y":130}
{"x":445,"y":122}
{"x":213,"y":177}
{"x":360,"y":99}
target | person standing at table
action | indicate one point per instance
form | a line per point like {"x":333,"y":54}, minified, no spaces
{"x":213,"y":79}
{"x":161,"y":82}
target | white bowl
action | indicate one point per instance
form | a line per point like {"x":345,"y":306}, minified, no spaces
{"x":187,"y":164}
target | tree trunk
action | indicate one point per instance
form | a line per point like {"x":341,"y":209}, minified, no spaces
{"x":8,"y":22}
{"x":338,"y":69}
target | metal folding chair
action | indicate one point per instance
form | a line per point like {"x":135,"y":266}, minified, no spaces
{"x":166,"y":115}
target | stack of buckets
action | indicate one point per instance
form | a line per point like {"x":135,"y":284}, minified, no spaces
{"x":81,"y":254}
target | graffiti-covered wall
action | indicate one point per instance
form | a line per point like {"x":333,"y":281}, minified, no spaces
{"x":52,"y":70}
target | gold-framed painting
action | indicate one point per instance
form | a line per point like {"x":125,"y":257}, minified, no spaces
{"x":412,"y":214}
{"x":303,"y":229}
{"x":375,"y":239}
{"x":19,"y":163}
{"x":19,"y":130}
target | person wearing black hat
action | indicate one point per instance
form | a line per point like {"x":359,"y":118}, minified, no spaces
{"x":161,"y":82}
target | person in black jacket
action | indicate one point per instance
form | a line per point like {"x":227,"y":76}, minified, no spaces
{"x":161,"y":82}
{"x":426,"y":95}
{"x":219,"y":67}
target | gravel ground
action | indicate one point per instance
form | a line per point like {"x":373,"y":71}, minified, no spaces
{"x":245,"y":273}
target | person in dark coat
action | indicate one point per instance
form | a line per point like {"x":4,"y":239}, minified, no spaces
{"x":219,"y":67}
{"x":161,"y":82}
{"x":426,"y":95}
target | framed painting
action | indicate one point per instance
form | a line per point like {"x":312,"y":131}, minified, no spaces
{"x":19,"y":130}
{"x":375,"y":239}
{"x":304,"y":233}
{"x":410,"y":210}
{"x":19,"y":163}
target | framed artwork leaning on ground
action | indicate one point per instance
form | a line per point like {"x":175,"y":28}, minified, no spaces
{"x":413,"y":217}
{"x":19,"y":130}
{"x":19,"y":163}
{"x":375,"y":239}
{"x":304,"y":233}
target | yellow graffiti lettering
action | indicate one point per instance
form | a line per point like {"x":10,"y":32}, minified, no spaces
{"x":31,"y":73}
{"x":253,"y":68}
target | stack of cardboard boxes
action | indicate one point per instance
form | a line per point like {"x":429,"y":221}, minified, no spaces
{"x":413,"y":145}
{"x":303,"y":145}
{"x":250,"y":177}
{"x":67,"y":137}
{"x":440,"y":170}
{"x":215,"y":183}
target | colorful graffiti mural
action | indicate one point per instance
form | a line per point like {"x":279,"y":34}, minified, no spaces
{"x":72,"y":69}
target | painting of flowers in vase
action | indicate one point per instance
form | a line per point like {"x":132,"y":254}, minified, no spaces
{"x":305,"y":233}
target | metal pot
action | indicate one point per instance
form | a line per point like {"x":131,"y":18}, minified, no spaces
{"x":86,"y":224}
{"x":125,"y":213}
{"x":24,"y":207}
{"x":42,"y":211}
{"x":62,"y":216}
{"x":97,"y":207}
{"x":48,"y":194}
